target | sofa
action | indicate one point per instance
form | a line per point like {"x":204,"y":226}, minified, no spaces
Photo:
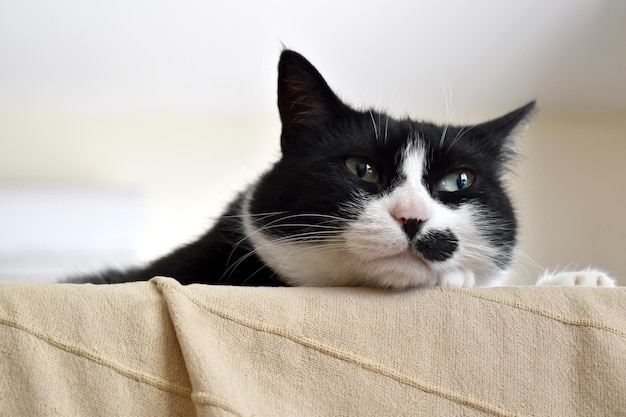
{"x":159,"y":348}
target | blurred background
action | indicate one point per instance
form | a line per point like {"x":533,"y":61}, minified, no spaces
{"x":126,"y":126}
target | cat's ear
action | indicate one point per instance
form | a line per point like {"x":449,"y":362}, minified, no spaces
{"x":501,"y":133}
{"x":303,"y":95}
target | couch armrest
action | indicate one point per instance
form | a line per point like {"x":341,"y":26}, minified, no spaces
{"x":159,"y":348}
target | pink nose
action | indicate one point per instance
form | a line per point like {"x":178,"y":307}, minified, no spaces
{"x":405,"y":211}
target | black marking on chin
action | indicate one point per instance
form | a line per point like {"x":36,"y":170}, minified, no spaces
{"x":437,"y":245}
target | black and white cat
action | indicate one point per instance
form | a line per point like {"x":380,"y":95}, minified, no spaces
{"x":361,"y":198}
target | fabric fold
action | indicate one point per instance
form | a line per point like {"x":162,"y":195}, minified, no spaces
{"x":357,"y":351}
{"x":85,"y":350}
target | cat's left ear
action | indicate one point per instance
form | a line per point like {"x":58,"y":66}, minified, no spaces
{"x":501,"y":132}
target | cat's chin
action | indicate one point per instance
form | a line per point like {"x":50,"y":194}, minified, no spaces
{"x":402,"y":270}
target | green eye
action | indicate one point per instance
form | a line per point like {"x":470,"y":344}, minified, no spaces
{"x":362,"y":168}
{"x":456,"y":181}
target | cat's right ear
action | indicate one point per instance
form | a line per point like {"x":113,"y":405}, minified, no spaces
{"x":303,"y":95}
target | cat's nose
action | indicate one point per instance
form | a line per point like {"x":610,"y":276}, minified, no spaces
{"x":412,"y":227}
{"x":411,"y":217}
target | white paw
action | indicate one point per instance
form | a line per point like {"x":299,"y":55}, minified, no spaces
{"x":584,"y":278}
{"x":457,"y":279}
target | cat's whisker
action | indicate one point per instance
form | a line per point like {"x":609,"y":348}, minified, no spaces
{"x":519,"y":256}
{"x":386,"y":128}
{"x":275,"y":223}
{"x":483,"y":259}
{"x":523,"y":257}
{"x":329,"y":223}
{"x":462,"y":132}
{"x":524,"y":261}
{"x":484,"y":254}
{"x":380,"y":104}
{"x":250,"y":276}
{"x":316,"y":215}
{"x":238,"y":243}
{"x":296,"y":249}
{"x":293,"y":239}
{"x":251,"y":215}
{"x":449,"y":112}
{"x":305,"y":240}
{"x":320,"y":227}
{"x":374,"y":124}
{"x":330,"y":233}
{"x":443,"y":134}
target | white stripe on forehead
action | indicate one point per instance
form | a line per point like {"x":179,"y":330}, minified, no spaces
{"x":413,"y":163}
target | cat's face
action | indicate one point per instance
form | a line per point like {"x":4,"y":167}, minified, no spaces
{"x":360,"y":198}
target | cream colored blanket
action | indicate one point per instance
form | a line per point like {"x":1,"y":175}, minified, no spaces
{"x":160,"y":349}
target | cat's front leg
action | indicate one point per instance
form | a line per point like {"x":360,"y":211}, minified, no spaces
{"x":584,"y":278}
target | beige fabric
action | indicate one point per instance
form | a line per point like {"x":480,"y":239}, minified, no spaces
{"x":158,"y":348}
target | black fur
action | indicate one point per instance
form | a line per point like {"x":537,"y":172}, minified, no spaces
{"x":319,"y":132}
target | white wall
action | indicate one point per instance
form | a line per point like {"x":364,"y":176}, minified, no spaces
{"x":570,"y":194}
{"x":186,"y":168}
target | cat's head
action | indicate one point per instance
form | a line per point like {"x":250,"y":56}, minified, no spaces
{"x":361,"y":198}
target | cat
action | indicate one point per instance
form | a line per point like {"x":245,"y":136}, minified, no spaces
{"x":359,"y":198}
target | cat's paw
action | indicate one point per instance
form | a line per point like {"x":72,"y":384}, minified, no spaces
{"x":584,"y":278}
{"x":457,"y":279}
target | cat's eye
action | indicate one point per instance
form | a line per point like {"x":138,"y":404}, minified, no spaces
{"x":362,"y":168}
{"x":456,"y":181}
